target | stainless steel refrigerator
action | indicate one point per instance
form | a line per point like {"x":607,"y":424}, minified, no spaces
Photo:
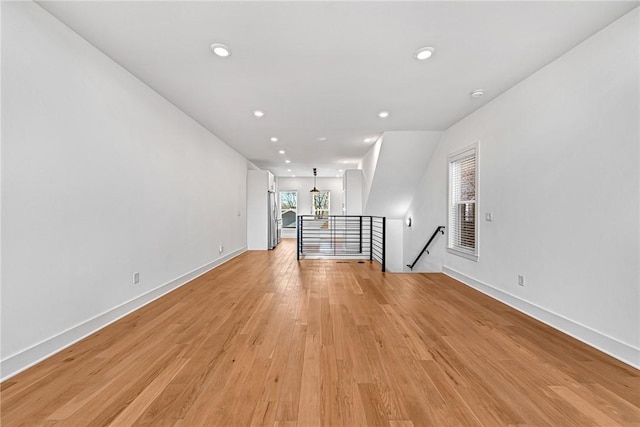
{"x":273,"y":219}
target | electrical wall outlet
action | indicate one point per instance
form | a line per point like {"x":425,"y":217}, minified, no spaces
{"x":520,"y":279}
{"x":488,"y":216}
{"x":136,"y":278}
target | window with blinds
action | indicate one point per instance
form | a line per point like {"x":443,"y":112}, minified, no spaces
{"x":463,"y":218}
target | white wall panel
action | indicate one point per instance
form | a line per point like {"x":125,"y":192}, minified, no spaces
{"x":101,"y":178}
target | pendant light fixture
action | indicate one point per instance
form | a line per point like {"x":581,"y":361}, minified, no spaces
{"x":315,"y":173}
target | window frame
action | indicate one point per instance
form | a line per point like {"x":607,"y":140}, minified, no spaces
{"x":313,"y":200}
{"x":295,"y":223}
{"x":452,"y":248}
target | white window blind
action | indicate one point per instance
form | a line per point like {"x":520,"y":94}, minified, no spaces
{"x":462,"y":229}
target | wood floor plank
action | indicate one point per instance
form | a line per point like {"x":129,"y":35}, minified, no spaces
{"x":310,"y":392}
{"x":265,"y":340}
{"x":598,"y":417}
{"x":289,"y":396}
{"x":143,"y":400}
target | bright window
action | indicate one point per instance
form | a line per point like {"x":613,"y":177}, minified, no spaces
{"x":462,"y":206}
{"x":320,"y":205}
{"x":288,"y":208}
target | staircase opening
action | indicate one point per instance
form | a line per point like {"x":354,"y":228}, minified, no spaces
{"x":342,"y":237}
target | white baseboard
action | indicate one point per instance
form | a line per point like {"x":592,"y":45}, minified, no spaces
{"x":24,"y":359}
{"x":611,"y":346}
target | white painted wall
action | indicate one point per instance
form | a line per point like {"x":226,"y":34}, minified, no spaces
{"x":368,"y":166}
{"x":394,"y":260}
{"x":559,"y":169}
{"x":101,"y":178}
{"x":352,"y":185}
{"x":303,"y":185}
{"x":400,"y":162}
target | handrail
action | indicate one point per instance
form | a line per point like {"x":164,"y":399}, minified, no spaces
{"x":433,"y":236}
{"x":342,"y":237}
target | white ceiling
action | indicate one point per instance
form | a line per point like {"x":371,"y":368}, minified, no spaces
{"x":326,"y":68}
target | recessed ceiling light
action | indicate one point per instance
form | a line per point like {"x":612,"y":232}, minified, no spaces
{"x":273,"y":139}
{"x":281,"y":151}
{"x":424,"y":53}
{"x":287,"y":161}
{"x":383,"y":114}
{"x":220,"y":49}
{"x":339,"y":170}
{"x":477,"y":93}
{"x":322,"y":138}
{"x":288,"y":170}
{"x":258,"y":113}
{"x":293,"y":176}
{"x":369,"y":139}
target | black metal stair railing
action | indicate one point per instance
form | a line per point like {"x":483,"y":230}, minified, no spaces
{"x":425,"y":249}
{"x":342,"y":236}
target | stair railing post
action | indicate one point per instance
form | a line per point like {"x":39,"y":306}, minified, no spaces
{"x":299,"y":236}
{"x":370,"y":238}
{"x":360,"y":234}
{"x":333,"y":235}
{"x":384,"y":240}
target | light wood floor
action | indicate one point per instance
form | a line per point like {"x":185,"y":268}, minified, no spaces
{"x":265,"y":340}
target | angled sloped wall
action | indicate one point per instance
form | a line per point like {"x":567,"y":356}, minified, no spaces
{"x":392,"y":169}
